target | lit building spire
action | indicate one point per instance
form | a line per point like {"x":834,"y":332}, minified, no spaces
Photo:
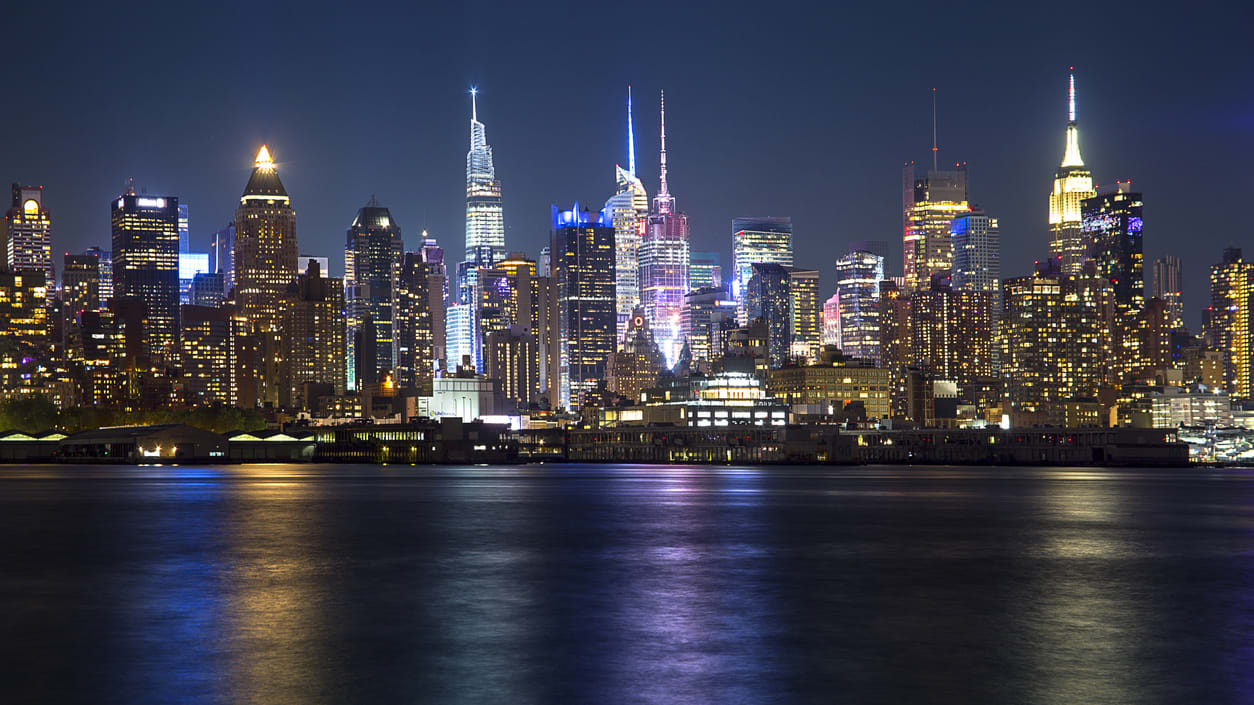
{"x":663,"y":193}
{"x":631,"y":137}
{"x":474,"y":104}
{"x":263,"y":159}
{"x":1071,"y":156}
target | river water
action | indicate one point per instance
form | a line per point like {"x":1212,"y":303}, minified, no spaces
{"x":625,"y":584}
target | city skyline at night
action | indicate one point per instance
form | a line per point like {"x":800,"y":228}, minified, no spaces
{"x":830,"y":144}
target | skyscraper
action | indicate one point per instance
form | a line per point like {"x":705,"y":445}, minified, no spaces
{"x":1167,"y":285}
{"x":1073,"y":183}
{"x":629,"y":208}
{"x":710,"y":313}
{"x":858,"y":277}
{"x":1111,"y":225}
{"x":372,"y":253}
{"x":222,"y":254}
{"x":757,"y":241}
{"x":146,"y":264}
{"x":704,"y":270}
{"x":663,"y":263}
{"x":485,"y":221}
{"x":977,"y":255}
{"x":418,"y":310}
{"x":28,"y":228}
{"x":929,"y":204}
{"x":185,"y":237}
{"x":106,"y":274}
{"x":265,"y":245}
{"x":806,"y":314}
{"x":769,"y":297}
{"x":313,"y":336}
{"x":584,"y":277}
{"x":1229,"y":324}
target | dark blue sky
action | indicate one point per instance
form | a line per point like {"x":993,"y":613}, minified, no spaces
{"x":801,"y":109}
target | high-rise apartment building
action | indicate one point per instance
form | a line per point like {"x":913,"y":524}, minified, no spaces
{"x":629,"y":208}
{"x":663,"y":263}
{"x":208,"y":289}
{"x":106,"y":274}
{"x":511,"y":358}
{"x":1055,"y":341}
{"x":485,"y":220}
{"x":1229,"y":321}
{"x":857,"y":320}
{"x":28,"y":229}
{"x":80,"y":283}
{"x":313,"y":336}
{"x":1073,"y":184}
{"x":146,"y":264}
{"x":265,"y":244}
{"x":929,"y":205}
{"x":372,"y":252}
{"x":418,"y":308}
{"x":805,"y":314}
{"x":831,"y":320}
{"x":765,"y":240}
{"x":586,"y":294}
{"x":1168,"y":285}
{"x":206,"y":344}
{"x":977,"y":255}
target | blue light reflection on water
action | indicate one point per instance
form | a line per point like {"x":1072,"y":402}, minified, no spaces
{"x":274,"y":584}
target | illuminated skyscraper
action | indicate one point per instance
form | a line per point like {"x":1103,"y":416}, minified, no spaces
{"x":459,"y":333}
{"x":106,"y":274}
{"x":928,"y":206}
{"x":222,"y":254}
{"x":831,"y":320}
{"x":418,"y":310}
{"x":805,"y":314}
{"x":858,"y":277}
{"x":769,"y":297}
{"x":1229,"y":324}
{"x":371,"y":255}
{"x":635,"y":366}
{"x":977,"y":255}
{"x":485,"y":220}
{"x":185,"y":237}
{"x":663,"y":262}
{"x":146,"y":264}
{"x":313,"y":336}
{"x":709,"y":315}
{"x":1073,"y":183}
{"x":629,"y":208}
{"x":757,"y":241}
{"x":586,"y":294}
{"x":1167,"y":285}
{"x":206,"y":343}
{"x":1111,"y":226}
{"x":28,"y":228}
{"x":265,"y":245}
{"x":704,"y":270}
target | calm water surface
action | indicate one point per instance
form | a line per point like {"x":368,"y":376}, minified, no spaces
{"x":625,"y":584}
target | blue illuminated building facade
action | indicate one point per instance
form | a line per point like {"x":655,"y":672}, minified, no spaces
{"x":1111,"y":224}
{"x":584,"y":276}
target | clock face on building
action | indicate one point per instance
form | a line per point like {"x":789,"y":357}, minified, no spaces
{"x":30,"y":207}
{"x":638,"y":321}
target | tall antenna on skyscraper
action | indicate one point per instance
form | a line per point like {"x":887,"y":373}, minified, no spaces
{"x":934,"y":168}
{"x":663,"y":192}
{"x":474,"y":104}
{"x":1071,"y":98}
{"x":631,"y":137}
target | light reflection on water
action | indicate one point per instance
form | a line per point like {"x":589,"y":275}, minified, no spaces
{"x":303,"y":584}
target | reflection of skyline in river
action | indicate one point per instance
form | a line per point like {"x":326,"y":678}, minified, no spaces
{"x":271,"y":584}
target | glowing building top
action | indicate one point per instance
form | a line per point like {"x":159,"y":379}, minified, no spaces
{"x":485,"y":223}
{"x":1072,"y":184}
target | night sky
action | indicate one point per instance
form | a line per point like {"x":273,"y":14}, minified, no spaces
{"x":806,"y":110}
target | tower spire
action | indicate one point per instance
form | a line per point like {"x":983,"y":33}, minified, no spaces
{"x":631,"y":137}
{"x":663,"y":192}
{"x":1071,"y":98}
{"x":934,"y":147}
{"x":474,"y":104}
{"x":1071,"y":155}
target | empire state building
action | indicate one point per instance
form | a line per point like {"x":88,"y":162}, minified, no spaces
{"x":1072,"y":184}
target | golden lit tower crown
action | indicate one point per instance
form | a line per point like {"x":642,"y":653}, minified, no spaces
{"x":1072,"y":184}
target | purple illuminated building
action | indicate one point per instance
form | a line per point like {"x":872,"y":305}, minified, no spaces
{"x":663,"y":262}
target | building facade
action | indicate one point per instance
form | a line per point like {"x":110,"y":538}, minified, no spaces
{"x":28,"y":231}
{"x":371,"y":255}
{"x":146,"y":264}
{"x":585,"y":283}
{"x":929,"y":204}
{"x":856,"y":319}
{"x":663,"y":264}
{"x":765,"y":240}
